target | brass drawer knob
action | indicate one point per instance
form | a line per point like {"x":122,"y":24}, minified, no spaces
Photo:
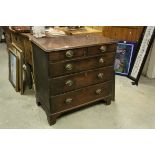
{"x":69,"y":67}
{"x":100,"y":75}
{"x":101,"y":60}
{"x":98,"y":91}
{"x":69,"y":54}
{"x":68,"y":100}
{"x":103,"y":48}
{"x":69,"y":83}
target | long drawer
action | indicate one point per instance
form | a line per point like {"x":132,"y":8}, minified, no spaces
{"x":73,"y":66}
{"x":81,"y":96}
{"x":67,"y":83}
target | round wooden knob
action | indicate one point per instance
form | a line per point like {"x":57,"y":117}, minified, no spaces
{"x":98,"y":91}
{"x":69,"y":54}
{"x":101,"y":60}
{"x":68,"y":100}
{"x":100,"y":75}
{"x":69,"y":83}
{"x":69,"y":67}
{"x":103,"y":48}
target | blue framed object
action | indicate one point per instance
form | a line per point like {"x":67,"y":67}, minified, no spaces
{"x":124,"y":56}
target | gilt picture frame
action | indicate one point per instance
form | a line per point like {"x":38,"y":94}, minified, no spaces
{"x":13,"y":69}
{"x":21,"y":74}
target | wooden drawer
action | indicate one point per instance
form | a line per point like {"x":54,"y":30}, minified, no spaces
{"x":71,"y":82}
{"x":67,"y":54}
{"x":73,"y":66}
{"x":93,"y":50}
{"x":81,"y":96}
{"x":18,"y":40}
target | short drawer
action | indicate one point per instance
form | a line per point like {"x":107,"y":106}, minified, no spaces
{"x":73,"y":66}
{"x":67,"y":54}
{"x":79,"y":97}
{"x":76,"y":81}
{"x":93,"y":50}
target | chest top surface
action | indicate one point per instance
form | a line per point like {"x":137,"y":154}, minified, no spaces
{"x":49,"y":44}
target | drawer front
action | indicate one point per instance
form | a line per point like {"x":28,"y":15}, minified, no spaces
{"x":18,"y":40}
{"x":67,"y":54}
{"x":101,"y":49}
{"x":68,"y":67}
{"x":76,"y":81}
{"x":79,"y":97}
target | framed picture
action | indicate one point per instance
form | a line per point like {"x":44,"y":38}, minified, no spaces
{"x":143,"y":49}
{"x":13,"y":70}
{"x":21,"y":73}
{"x":124,"y":57}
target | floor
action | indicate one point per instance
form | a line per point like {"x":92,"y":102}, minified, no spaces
{"x":134,"y":106}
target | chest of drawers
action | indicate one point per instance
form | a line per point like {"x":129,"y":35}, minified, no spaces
{"x":72,"y":71}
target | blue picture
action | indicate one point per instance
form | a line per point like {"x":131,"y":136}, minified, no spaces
{"x":124,"y":56}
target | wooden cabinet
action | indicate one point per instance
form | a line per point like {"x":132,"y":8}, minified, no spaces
{"x":72,"y":71}
{"x":22,"y":42}
{"x":123,"y":33}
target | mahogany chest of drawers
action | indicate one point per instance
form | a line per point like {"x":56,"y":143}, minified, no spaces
{"x":72,"y":71}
